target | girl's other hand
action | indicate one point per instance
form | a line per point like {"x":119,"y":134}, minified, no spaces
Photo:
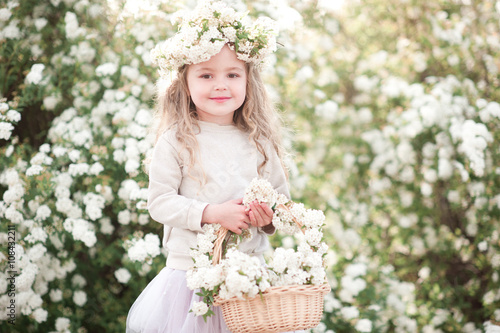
{"x":260,"y":214}
{"x":230,"y":214}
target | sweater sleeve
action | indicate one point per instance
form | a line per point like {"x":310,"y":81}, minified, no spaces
{"x":275,"y":174}
{"x":165,"y":204}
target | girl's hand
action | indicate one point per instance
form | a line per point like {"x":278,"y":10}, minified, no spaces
{"x":260,"y":214}
{"x":230,"y":214}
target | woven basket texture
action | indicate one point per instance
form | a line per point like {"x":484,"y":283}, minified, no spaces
{"x":279,"y":309}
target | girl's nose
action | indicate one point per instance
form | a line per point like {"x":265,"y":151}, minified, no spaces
{"x":220,"y":85}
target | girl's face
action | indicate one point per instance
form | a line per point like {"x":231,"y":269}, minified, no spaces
{"x":218,"y":86}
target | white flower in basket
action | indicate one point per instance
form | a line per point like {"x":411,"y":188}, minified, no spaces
{"x":274,"y":295}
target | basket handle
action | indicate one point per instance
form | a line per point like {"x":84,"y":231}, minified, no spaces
{"x":217,"y":254}
{"x":300,"y":225}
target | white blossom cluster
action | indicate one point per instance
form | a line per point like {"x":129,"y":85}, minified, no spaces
{"x":430,"y":150}
{"x":204,"y":31}
{"x":58,"y":195}
{"x":72,"y":28}
{"x":122,"y":275}
{"x":244,"y":275}
{"x":241,"y":275}
{"x":8,"y":118}
{"x":289,"y":217}
{"x":143,"y":249}
{"x":491,"y":327}
{"x":459,"y":135}
{"x":37,"y":267}
{"x":35,"y":76}
{"x":299,"y":267}
{"x":236,"y":275}
{"x":10,"y":30}
{"x":262,"y":191}
{"x":81,"y":230}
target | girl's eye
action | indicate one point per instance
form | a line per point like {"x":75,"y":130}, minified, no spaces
{"x":233,"y":76}
{"x":206,"y":76}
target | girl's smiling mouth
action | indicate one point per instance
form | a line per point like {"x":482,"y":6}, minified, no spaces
{"x":220,"y":99}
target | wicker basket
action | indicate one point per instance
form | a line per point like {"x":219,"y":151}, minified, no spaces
{"x":280,"y":309}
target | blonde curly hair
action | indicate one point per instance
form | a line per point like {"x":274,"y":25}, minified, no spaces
{"x":257,"y":116}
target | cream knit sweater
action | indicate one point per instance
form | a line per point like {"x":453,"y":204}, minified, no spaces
{"x":177,"y":199}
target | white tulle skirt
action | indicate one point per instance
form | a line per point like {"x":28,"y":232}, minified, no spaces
{"x":163,"y":307}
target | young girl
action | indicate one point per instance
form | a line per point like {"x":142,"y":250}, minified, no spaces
{"x":217,"y":131}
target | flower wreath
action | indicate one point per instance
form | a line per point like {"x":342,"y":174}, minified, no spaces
{"x":211,"y":25}
{"x":237,"y":274}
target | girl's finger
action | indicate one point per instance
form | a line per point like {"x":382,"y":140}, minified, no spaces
{"x":257,"y":214}
{"x":251,"y":217}
{"x":256,"y":207}
{"x":255,"y":218}
{"x":268,"y":211}
{"x":238,"y":201}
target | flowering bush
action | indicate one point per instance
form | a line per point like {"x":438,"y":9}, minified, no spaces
{"x":237,"y":274}
{"x":7,"y":117}
{"x":73,"y":191}
{"x":395,"y":122}
{"x":404,"y":119}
